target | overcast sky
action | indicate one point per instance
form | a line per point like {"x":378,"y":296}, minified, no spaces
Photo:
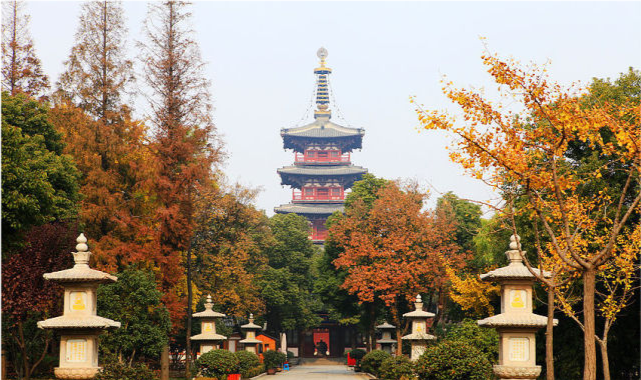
{"x":261,"y":58}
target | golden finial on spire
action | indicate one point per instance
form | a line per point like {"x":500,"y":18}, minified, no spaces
{"x":322,"y":89}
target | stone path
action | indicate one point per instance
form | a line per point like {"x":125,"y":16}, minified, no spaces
{"x":319,"y":372}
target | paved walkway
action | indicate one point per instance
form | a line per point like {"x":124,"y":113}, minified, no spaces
{"x":319,"y":372}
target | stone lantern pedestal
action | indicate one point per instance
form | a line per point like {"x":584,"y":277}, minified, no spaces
{"x":386,"y":340}
{"x":250,"y":342}
{"x":79,"y":326}
{"x":208,"y":337}
{"x":419,"y":336}
{"x":516,"y":324}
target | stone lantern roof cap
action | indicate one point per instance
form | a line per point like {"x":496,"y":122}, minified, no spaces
{"x":516,"y":320}
{"x":208,"y":336}
{"x":418,"y":336}
{"x":515,"y":270}
{"x":80,"y":271}
{"x":386,"y":325}
{"x":208,"y":312}
{"x":386,"y":341}
{"x":85,"y":322}
{"x":418,"y":313}
{"x":251,"y":325}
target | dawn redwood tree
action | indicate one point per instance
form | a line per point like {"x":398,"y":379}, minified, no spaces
{"x":393,"y":249}
{"x":21,"y":70}
{"x":526,"y":155}
{"x":184,"y":145}
{"x":98,"y":71}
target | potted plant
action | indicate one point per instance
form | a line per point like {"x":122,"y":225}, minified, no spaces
{"x":272,"y":360}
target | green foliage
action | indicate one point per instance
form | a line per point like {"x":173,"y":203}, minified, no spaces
{"x":357,"y":354}
{"x":119,"y":371}
{"x":290,"y":355}
{"x":253,"y":372}
{"x":39,"y":183}
{"x":217,"y":363}
{"x":483,"y":339}
{"x":467,"y":216}
{"x":372,"y":361}
{"x":453,"y":360}
{"x":286,"y":282}
{"x":396,"y":368}
{"x":247,"y":362}
{"x":273,"y":359}
{"x":135,"y":301}
{"x":366,"y":190}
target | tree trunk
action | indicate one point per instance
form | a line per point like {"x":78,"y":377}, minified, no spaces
{"x":399,"y":331}
{"x":603,"y":344}
{"x":164,"y":363}
{"x":189,"y":302}
{"x":549,"y":337}
{"x":3,"y":358}
{"x":589,"y":344}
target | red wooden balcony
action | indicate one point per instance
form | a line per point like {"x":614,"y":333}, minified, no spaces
{"x":331,"y":156}
{"x":321,"y":194}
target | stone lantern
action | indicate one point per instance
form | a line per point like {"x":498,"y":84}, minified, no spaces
{"x":386,"y":340}
{"x":79,"y":325}
{"x":208,"y":338}
{"x":250,"y":340}
{"x":516,"y":324}
{"x":419,"y":336}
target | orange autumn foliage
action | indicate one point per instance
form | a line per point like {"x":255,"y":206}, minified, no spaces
{"x":393,"y":251}
{"x":520,"y":145}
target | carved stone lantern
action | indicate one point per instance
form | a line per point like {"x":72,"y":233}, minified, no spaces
{"x":79,"y":325}
{"x":386,"y":340}
{"x":250,"y":342}
{"x":208,"y":337}
{"x":419,"y":336}
{"x":516,"y":324}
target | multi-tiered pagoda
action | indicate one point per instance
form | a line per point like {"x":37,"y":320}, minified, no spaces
{"x":322,"y":169}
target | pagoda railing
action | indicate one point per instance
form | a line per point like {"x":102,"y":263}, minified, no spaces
{"x":301,"y":158}
{"x":299,"y":195}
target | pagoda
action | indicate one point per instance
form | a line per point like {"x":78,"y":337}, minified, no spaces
{"x":322,"y":170}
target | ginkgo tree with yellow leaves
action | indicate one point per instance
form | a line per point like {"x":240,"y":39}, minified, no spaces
{"x":520,"y":146}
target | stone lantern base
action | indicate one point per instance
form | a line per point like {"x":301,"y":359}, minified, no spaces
{"x":512,"y":373}
{"x":75,"y":372}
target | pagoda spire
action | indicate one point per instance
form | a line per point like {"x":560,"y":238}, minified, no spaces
{"x":322,"y":89}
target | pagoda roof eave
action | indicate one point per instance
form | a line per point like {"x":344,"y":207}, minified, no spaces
{"x":309,"y":209}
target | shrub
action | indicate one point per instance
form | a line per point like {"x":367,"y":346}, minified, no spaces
{"x":453,"y":360}
{"x":253,"y":372}
{"x":290,"y":355}
{"x":246,"y":361}
{"x":372,"y":361}
{"x":217,"y":363}
{"x":396,"y":368}
{"x":469,"y":332}
{"x":120,"y":371}
{"x":273,"y":359}
{"x":357,"y":354}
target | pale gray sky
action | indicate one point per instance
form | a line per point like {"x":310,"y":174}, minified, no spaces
{"x":261,"y":56}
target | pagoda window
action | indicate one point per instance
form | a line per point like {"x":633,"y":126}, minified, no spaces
{"x":336,"y":191}
{"x":311,"y":153}
{"x":323,"y":192}
{"x":323,"y":154}
{"x":335,"y":153}
{"x":309,"y":191}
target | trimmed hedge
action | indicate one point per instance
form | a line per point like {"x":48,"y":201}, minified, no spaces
{"x":217,"y":363}
{"x":120,"y":371}
{"x":396,"y":368}
{"x":453,"y":360}
{"x":246,"y":362}
{"x":357,"y":354}
{"x":372,"y":361}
